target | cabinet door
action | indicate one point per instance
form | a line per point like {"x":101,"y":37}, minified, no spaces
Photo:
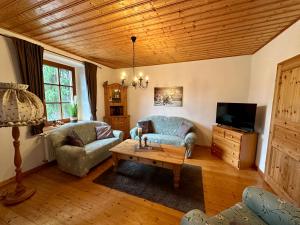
{"x":283,"y":160}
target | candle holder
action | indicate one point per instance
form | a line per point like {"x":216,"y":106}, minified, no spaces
{"x":140,"y":133}
{"x":145,"y":142}
{"x":140,"y":142}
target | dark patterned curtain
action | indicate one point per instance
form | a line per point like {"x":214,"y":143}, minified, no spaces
{"x":91,"y":81}
{"x":31,"y":68}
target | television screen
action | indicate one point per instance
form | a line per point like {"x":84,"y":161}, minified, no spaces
{"x":238,"y":115}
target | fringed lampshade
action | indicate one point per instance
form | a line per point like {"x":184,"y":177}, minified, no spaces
{"x":19,"y":107}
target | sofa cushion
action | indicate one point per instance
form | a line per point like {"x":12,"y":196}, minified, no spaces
{"x":163,"y":139}
{"x":238,"y":214}
{"x":184,"y":129}
{"x":103,"y":132}
{"x":73,"y":139}
{"x":166,"y":125}
{"x":98,"y":150}
{"x":146,"y":126}
{"x":100,"y":144}
{"x":85,"y":130}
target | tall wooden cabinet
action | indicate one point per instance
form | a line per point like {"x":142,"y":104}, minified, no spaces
{"x":115,"y":101}
{"x":235,"y":147}
{"x":283,"y":158}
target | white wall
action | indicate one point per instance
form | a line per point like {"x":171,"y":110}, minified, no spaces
{"x":204,"y":84}
{"x":262,"y":82}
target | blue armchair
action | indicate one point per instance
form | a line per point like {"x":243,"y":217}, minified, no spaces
{"x":165,"y":132}
{"x":258,"y":207}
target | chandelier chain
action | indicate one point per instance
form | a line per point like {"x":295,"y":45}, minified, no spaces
{"x":133,"y":58}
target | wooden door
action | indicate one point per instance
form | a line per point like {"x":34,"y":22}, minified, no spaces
{"x":283,"y":159}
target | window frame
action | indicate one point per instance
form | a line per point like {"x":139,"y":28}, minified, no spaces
{"x":59,"y":85}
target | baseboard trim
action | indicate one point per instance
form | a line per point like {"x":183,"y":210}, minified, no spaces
{"x":28,"y":172}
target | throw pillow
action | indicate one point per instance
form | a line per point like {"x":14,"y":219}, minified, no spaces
{"x":146,"y":126}
{"x":103,"y":132}
{"x":73,"y":139}
{"x":183,"y":129}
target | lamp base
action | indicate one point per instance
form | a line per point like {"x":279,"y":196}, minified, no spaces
{"x":18,"y":196}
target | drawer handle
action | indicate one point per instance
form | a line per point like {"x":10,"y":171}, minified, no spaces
{"x":130,"y":157}
{"x":154,"y":162}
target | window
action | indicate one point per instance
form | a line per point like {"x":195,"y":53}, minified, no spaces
{"x":59,"y":85}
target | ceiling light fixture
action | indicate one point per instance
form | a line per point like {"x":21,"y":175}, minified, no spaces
{"x":137,"y":81}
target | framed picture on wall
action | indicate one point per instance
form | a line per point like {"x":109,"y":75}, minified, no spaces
{"x":168,"y":96}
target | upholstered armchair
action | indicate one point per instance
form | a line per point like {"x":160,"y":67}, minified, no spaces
{"x":259,"y":207}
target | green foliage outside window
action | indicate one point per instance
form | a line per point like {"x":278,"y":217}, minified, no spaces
{"x":50,"y":74}
{"x":58,"y":92}
{"x":53,"y":112}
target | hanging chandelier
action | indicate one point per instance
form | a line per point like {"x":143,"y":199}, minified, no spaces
{"x":137,"y":81}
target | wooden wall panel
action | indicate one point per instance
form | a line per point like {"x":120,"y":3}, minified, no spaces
{"x":167,"y":31}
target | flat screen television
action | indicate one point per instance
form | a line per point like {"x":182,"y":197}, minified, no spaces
{"x":237,"y":115}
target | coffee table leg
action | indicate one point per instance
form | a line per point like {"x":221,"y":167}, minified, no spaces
{"x":115,"y":161}
{"x":176,"y":173}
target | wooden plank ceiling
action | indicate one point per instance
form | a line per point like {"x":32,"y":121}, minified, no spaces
{"x":167,"y":30}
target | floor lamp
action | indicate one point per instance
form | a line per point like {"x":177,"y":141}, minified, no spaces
{"x":19,"y":107}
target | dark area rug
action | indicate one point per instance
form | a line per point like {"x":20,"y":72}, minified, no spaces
{"x":156,"y":184}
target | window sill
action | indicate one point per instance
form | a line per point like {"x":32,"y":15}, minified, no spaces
{"x":48,"y":129}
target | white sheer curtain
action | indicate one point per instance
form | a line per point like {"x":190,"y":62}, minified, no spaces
{"x":84,"y":109}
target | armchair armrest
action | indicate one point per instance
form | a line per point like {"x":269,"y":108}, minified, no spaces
{"x":118,"y":134}
{"x":133,"y":132}
{"x":270,"y":208}
{"x":194,"y":217}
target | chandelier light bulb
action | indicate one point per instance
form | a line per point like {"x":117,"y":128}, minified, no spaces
{"x":123,"y":75}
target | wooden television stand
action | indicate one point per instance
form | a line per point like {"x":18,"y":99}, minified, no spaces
{"x":236,"y":147}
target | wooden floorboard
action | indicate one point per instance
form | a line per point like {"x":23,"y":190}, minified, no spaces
{"x":63,"y":199}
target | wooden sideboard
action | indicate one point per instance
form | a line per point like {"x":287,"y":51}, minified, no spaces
{"x":235,"y":147}
{"x":115,"y":101}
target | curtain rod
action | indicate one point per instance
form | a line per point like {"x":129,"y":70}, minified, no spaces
{"x":8,"y":36}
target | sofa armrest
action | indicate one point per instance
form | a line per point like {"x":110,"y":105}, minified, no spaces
{"x":270,"y":208}
{"x":57,"y":139}
{"x":119,"y":134}
{"x":190,"y":138}
{"x":194,"y":217}
{"x":71,"y":151}
{"x":133,"y":133}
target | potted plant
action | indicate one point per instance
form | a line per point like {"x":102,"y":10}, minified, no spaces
{"x":73,"y":110}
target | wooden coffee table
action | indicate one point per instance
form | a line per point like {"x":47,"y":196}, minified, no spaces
{"x":166,"y":156}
